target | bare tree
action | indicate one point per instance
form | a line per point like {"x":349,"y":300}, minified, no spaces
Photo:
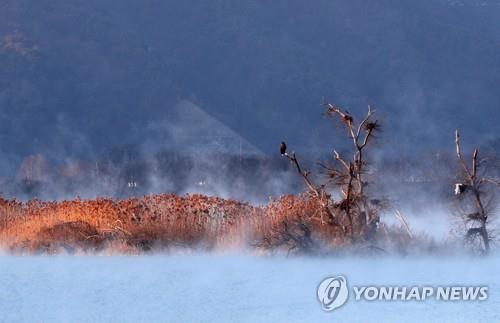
{"x":476,"y":197}
{"x":348,"y":175}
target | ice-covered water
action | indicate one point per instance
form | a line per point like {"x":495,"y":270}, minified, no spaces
{"x":202,"y":288}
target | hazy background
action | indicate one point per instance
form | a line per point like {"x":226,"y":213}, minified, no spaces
{"x":130,"y":89}
{"x":80,"y":76}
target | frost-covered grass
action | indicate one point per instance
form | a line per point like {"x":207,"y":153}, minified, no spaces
{"x":231,"y":288}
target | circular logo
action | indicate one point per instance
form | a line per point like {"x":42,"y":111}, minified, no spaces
{"x":333,"y":292}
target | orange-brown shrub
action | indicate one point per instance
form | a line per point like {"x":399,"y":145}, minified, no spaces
{"x":299,"y":224}
{"x":292,"y":223}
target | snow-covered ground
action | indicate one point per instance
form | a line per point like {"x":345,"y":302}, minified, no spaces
{"x":229,"y":288}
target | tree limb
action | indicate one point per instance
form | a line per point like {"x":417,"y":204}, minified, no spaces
{"x":304,"y":174}
{"x":459,"y":154}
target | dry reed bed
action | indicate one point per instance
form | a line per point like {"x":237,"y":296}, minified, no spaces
{"x":161,"y":222}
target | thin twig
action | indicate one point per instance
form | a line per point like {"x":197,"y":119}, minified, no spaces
{"x":401,"y":219}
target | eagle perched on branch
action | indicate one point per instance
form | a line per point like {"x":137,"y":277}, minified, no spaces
{"x":460,"y":188}
{"x":283,"y":148}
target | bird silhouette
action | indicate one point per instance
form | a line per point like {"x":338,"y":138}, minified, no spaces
{"x":283,"y":148}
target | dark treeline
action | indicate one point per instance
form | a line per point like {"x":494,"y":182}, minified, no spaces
{"x":124,"y":171}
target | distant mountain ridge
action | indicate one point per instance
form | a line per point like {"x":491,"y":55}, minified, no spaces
{"x":78,"y":77}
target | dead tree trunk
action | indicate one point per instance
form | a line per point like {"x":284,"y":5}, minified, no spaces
{"x":472,"y":184}
{"x":361,"y":134}
{"x":347,"y":176}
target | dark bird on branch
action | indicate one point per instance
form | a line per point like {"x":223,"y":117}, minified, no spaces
{"x":347,"y":118}
{"x":283,"y":148}
{"x":371,"y":126}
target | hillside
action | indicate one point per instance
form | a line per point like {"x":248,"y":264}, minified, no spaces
{"x":80,"y":77}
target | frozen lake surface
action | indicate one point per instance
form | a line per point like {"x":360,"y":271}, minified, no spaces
{"x":202,"y":288}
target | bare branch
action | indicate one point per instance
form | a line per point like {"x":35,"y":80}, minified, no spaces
{"x":493,"y":181}
{"x":368,"y":134}
{"x":304,"y":174}
{"x":474,"y":164}
{"x":401,"y":219}
{"x":342,"y":161}
{"x":346,"y":119}
{"x":365,"y":120}
{"x":459,"y":154}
